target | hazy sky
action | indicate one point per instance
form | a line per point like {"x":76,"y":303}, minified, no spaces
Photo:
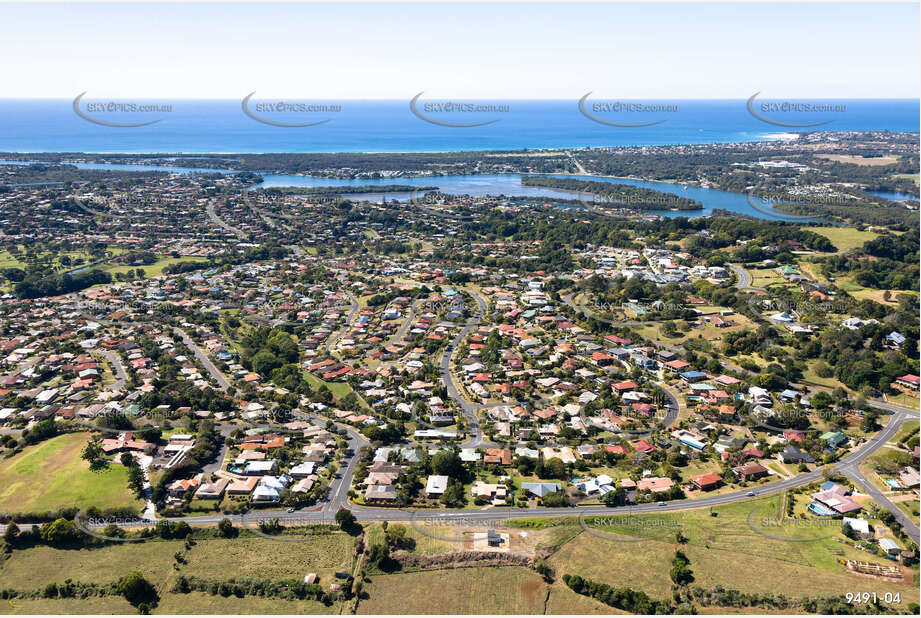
{"x":342,"y":51}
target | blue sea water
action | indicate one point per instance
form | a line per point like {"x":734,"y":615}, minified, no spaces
{"x":390,"y":126}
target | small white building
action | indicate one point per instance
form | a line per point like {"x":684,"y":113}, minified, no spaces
{"x":436,"y":485}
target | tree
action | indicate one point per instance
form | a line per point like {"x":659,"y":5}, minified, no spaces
{"x":869,"y":424}
{"x":555,"y":499}
{"x":618,"y":497}
{"x":226,"y":529}
{"x":137,"y":590}
{"x":136,"y":478}
{"x":544,"y":570}
{"x":379,"y":556}
{"x":555,"y":469}
{"x":453,"y":495}
{"x":848,"y":531}
{"x":11,"y":533}
{"x":397,"y":537}
{"x":680,"y":571}
{"x":59,"y":532}
{"x":41,"y":431}
{"x":346,"y":520}
{"x":448,"y":463}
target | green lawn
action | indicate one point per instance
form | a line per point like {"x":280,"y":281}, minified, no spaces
{"x":844,"y":238}
{"x":51,"y":475}
{"x":763,"y":277}
{"x":338,"y":389}
{"x":8,"y":261}
{"x":812,"y":377}
{"x":152,"y":270}
{"x":908,"y":430}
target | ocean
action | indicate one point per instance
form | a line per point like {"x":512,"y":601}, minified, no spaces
{"x":391,"y":126}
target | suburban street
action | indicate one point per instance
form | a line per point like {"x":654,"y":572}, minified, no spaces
{"x":117,"y":368}
{"x":220,"y":222}
{"x":743,"y":279}
{"x":469,"y":409}
{"x":353,"y":313}
{"x":203,"y":359}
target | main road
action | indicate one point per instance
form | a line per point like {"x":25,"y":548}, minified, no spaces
{"x":337,"y":496}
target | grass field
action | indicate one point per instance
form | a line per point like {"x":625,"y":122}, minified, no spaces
{"x":338,"y":389}
{"x":904,"y":400}
{"x":911,"y":508}
{"x":498,"y":590}
{"x":92,"y":605}
{"x":425,"y":543}
{"x":32,"y":568}
{"x":152,"y":270}
{"x":844,"y":238}
{"x":908,"y":429}
{"x":763,"y":277}
{"x":562,"y":600}
{"x":812,"y":377}
{"x":8,"y":261}
{"x":197,"y":602}
{"x":723,"y":550}
{"x":51,"y":475}
{"x":915,"y":177}
{"x":259,"y":557}
{"x":201,"y":603}
{"x":853,"y":288}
